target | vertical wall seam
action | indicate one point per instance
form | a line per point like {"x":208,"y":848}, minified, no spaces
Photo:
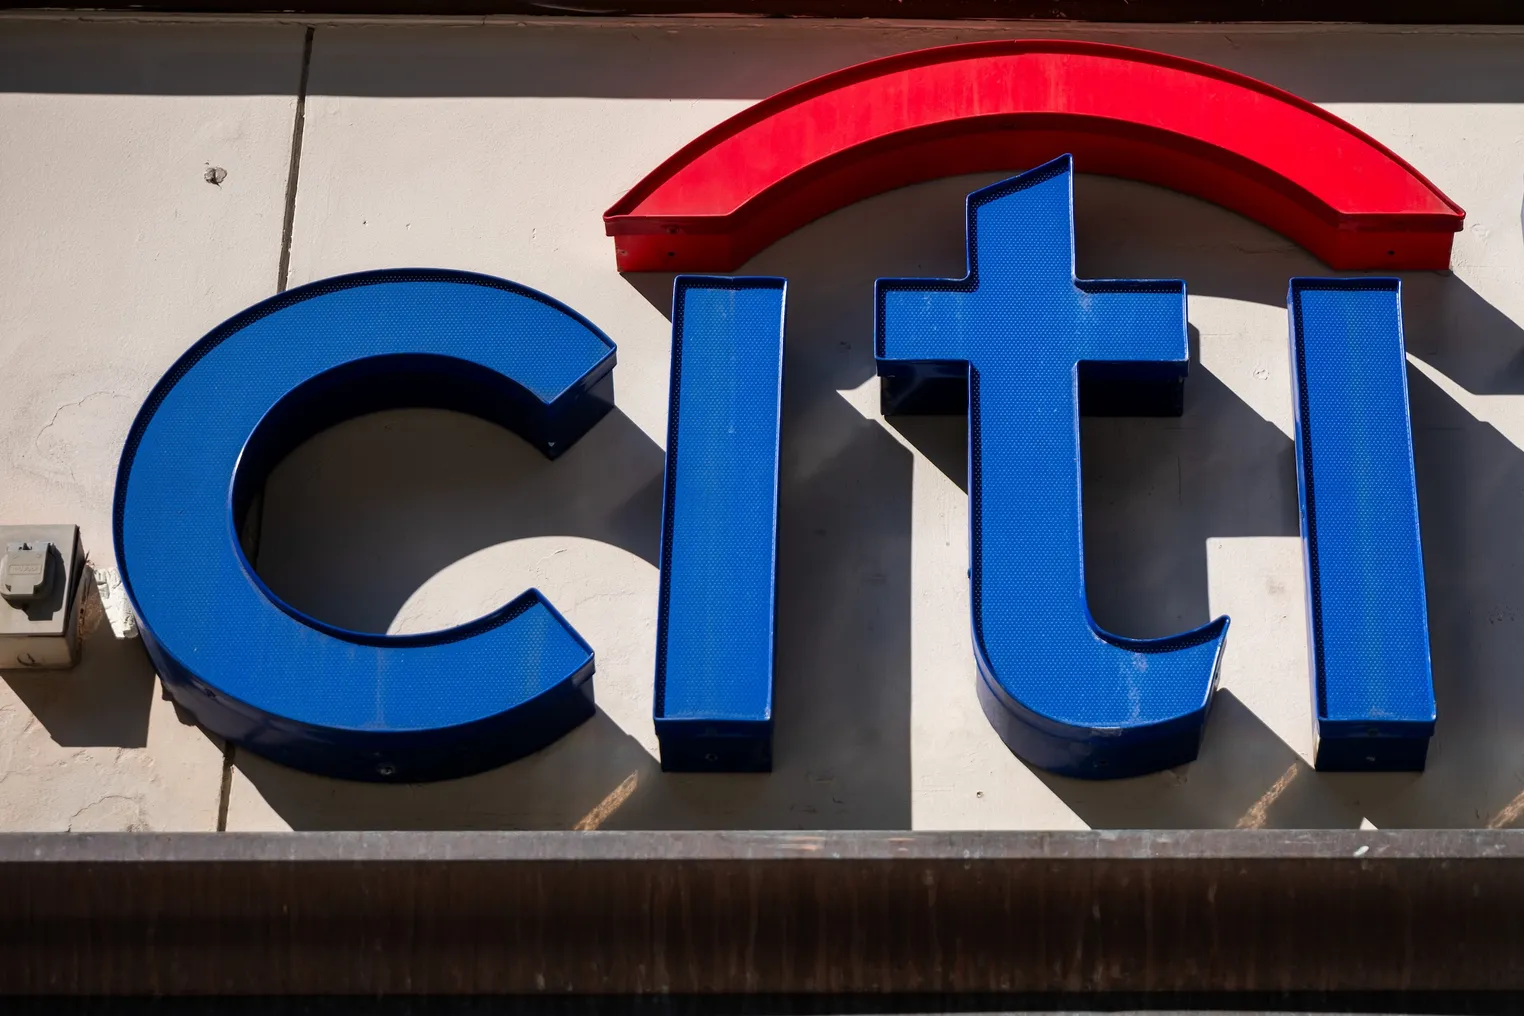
{"x":225,"y":790}
{"x":282,"y":279}
{"x":297,"y":127}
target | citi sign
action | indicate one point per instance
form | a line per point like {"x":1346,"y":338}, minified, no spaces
{"x":1019,"y":345}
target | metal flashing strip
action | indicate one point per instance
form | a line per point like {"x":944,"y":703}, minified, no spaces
{"x":695,"y":913}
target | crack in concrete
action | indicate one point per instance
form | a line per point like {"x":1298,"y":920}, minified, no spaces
{"x":53,"y":422}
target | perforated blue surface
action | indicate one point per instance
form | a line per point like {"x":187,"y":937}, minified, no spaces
{"x":1063,"y":694}
{"x":714,"y":656}
{"x":1359,"y":496}
{"x":254,"y":669}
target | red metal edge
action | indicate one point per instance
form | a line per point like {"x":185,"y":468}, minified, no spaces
{"x":1004,"y":105}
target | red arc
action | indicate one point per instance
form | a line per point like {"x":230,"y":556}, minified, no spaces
{"x":1009,"y":105}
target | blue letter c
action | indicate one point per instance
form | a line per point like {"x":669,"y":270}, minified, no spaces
{"x":254,"y":669}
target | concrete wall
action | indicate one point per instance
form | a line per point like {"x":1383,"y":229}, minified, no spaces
{"x":495,"y":148}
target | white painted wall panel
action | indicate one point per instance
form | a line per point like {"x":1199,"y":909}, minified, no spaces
{"x":115,"y":255}
{"x":496,"y":148}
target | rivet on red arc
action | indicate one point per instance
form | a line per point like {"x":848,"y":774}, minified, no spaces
{"x":1010,"y":104}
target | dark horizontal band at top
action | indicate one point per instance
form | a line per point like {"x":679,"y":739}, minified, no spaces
{"x":1418,"y":12}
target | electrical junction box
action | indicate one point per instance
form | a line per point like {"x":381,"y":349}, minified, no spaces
{"x":42,"y":580}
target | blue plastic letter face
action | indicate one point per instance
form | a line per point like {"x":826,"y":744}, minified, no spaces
{"x":1063,"y":694}
{"x":253,"y":669}
{"x":714,"y":650}
{"x":1367,"y":616}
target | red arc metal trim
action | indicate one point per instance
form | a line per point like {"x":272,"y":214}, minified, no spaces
{"x":1010,"y":105}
